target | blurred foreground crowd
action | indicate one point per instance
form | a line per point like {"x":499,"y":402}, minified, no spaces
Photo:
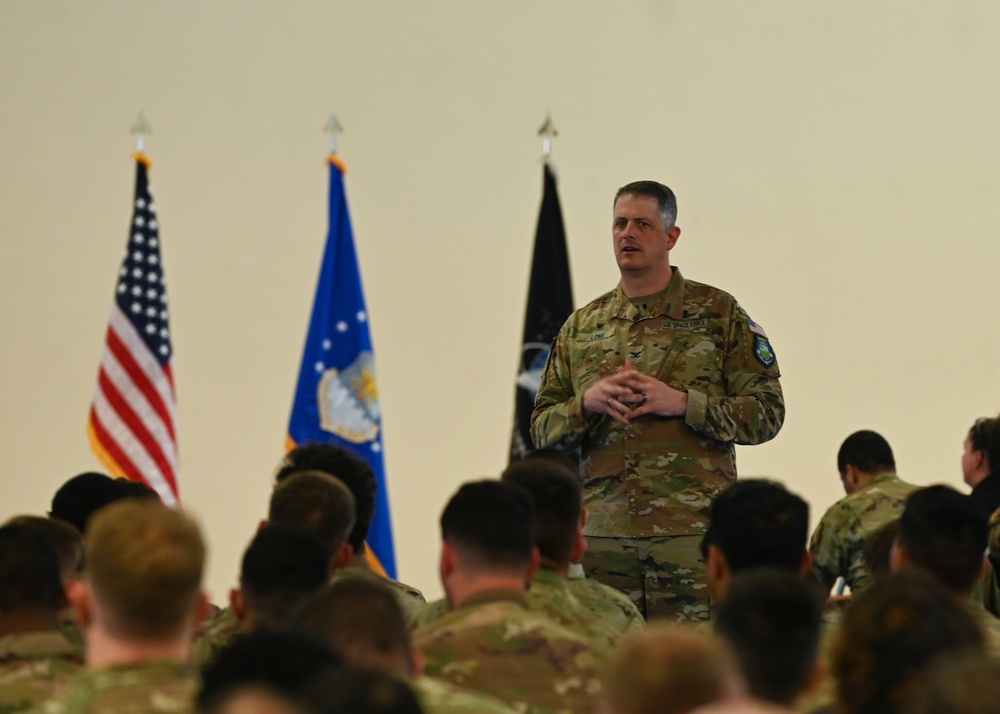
{"x":102,"y":607}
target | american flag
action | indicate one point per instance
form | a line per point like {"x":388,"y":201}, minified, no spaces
{"x":132,"y":418}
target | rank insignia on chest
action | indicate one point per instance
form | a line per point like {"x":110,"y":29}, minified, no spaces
{"x":763,"y":352}
{"x":635,"y":354}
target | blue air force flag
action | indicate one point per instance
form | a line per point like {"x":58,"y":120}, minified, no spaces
{"x":336,"y":400}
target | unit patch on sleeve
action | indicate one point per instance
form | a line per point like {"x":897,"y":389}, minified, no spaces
{"x":763,"y":352}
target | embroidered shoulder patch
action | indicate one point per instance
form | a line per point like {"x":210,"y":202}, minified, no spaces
{"x":756,"y":329}
{"x":763,"y":352}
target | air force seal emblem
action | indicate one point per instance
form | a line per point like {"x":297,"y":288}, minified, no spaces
{"x":763,"y":352}
{"x":348,"y":401}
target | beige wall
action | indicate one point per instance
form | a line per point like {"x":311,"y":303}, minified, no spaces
{"x":836,"y":165}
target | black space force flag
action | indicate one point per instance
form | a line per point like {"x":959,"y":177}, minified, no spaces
{"x":550,"y":303}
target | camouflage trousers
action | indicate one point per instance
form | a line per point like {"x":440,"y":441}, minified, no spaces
{"x":663,"y":576}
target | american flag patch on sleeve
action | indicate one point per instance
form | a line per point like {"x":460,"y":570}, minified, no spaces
{"x":756,"y":329}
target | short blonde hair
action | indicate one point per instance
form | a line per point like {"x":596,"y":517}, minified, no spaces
{"x":144,"y":564}
{"x":670,"y":669}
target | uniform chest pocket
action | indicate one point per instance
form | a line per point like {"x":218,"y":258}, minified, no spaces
{"x":596,"y":354}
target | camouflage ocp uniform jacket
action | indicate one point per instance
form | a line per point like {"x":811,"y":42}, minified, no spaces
{"x":151,"y":687}
{"x":35,"y":666}
{"x":658,"y":476}
{"x":839,"y":538}
{"x":494,"y":644}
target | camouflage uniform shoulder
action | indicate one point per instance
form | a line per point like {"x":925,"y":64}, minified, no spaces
{"x":440,"y":697}
{"x":158,"y":687}
{"x":428,"y":613}
{"x":34,"y":667}
{"x":408,"y":597}
{"x":215,"y":635}
{"x":494,"y":644}
{"x":697,"y":292}
{"x":549,"y":593}
{"x":585,"y":317}
{"x":610,"y":605}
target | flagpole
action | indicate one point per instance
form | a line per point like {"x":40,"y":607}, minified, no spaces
{"x":140,"y":128}
{"x":547,"y":131}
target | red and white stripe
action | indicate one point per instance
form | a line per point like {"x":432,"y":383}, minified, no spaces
{"x":133,"y":415}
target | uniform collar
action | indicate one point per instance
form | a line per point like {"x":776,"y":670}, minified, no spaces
{"x":488,"y":596}
{"x":669,"y":304}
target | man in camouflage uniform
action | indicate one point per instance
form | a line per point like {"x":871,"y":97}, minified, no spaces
{"x":944,"y":533}
{"x":362,"y":621}
{"x":358,"y":476}
{"x":655,"y":382}
{"x":311,"y":500}
{"x":138,"y":604}
{"x":36,"y":660}
{"x":875,"y":496}
{"x":557,"y":495}
{"x":491,"y":642}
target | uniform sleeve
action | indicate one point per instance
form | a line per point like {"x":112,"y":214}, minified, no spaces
{"x":750,"y":407}
{"x":557,"y":420}
{"x":828,"y":546}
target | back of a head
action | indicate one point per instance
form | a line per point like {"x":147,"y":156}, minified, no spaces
{"x":670,"y":669}
{"x":989,"y":439}
{"x":283,"y":564}
{"x":772,"y":619}
{"x":867,"y":451}
{"x":282,"y":661}
{"x":360,"y":619}
{"x":144,"y":564}
{"x":29,"y":572}
{"x":352,"y":470}
{"x":346,"y":691}
{"x":492,"y":524}
{"x":957,"y":683}
{"x":78,"y":498}
{"x":253,"y":699}
{"x":889,"y":633}
{"x":64,"y":537}
{"x":755,"y":523}
{"x":558,"y":496}
{"x":944,"y":533}
{"x":316,"y":501}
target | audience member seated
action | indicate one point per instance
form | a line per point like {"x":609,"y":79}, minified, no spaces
{"x":360,"y":692}
{"x":944,"y":534}
{"x":610,"y":604}
{"x":281,"y":662}
{"x":671,"y":669}
{"x":361,"y":619}
{"x":84,"y":494}
{"x":875,"y":495}
{"x":957,"y":683}
{"x":36,"y":660}
{"x":68,"y":543}
{"x":978,"y":453}
{"x":491,"y":641}
{"x":139,"y":602}
{"x":283,"y":565}
{"x":754,"y":523}
{"x":772,"y":618}
{"x":890,"y":632}
{"x":557,"y":497}
{"x":358,"y":476}
{"x":311,"y":500}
